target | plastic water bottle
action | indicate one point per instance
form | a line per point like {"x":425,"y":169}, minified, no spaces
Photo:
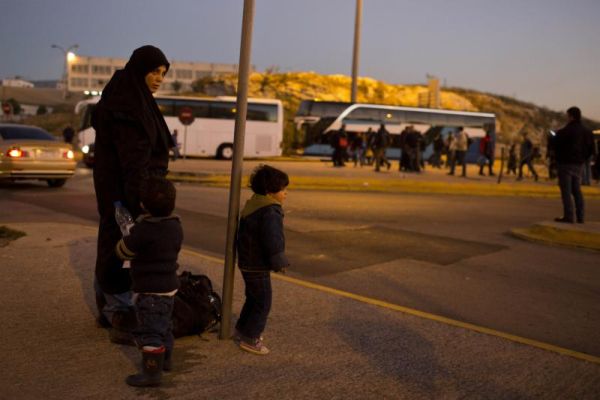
{"x":123,"y":218}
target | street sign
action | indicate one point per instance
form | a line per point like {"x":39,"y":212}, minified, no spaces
{"x":6,"y":108}
{"x":186,"y":116}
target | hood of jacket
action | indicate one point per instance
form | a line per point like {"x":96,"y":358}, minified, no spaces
{"x":256,"y":202}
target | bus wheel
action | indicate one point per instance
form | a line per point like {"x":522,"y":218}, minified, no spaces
{"x":225,"y":152}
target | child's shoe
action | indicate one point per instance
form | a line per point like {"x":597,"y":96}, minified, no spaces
{"x":152,"y":368}
{"x":254,"y":346}
{"x":238,"y":337}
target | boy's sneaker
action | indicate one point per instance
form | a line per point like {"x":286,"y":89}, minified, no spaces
{"x":238,"y":337}
{"x":255,"y":347}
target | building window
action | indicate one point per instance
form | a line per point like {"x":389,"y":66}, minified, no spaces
{"x":79,"y":82}
{"x":202,"y":74}
{"x":80,"y":68}
{"x":183,"y":73}
{"x":101,"y":69}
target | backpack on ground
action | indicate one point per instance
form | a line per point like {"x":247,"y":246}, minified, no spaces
{"x":197,"y":307}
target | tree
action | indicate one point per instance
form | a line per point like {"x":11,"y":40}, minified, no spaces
{"x":176,"y":86}
{"x":42,"y":110}
{"x":16,"y":107}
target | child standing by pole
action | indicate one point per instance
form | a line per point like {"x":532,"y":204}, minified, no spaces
{"x":261,"y":249}
{"x":153,"y":245}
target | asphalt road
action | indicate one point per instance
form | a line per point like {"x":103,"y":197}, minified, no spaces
{"x":446,"y":255}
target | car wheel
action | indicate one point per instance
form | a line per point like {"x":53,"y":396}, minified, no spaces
{"x":54,"y":183}
{"x":225,"y":152}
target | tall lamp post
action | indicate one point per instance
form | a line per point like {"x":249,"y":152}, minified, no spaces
{"x":68,"y":56}
{"x":356,"y":51}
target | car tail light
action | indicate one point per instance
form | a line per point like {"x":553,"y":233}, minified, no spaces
{"x":69,"y":154}
{"x":16,"y":153}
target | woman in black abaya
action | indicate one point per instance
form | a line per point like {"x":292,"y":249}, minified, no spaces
{"x":132,"y":143}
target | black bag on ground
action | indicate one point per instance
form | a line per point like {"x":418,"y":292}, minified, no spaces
{"x":197,"y":307}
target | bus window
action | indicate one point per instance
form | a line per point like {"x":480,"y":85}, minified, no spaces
{"x":222,"y":110}
{"x":321,"y":108}
{"x":86,"y":120}
{"x":394,"y":116}
{"x":262,"y":112}
{"x":166,"y":107}
{"x":365,"y":114}
{"x":200,"y":109}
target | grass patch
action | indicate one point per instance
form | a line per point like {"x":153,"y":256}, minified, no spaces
{"x":7,"y":235}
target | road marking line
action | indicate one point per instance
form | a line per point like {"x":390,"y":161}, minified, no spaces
{"x":422,"y":314}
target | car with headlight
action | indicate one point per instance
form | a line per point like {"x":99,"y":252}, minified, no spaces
{"x":29,"y":152}
{"x":89,"y":154}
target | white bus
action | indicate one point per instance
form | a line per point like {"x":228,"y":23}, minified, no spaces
{"x":318,"y":119}
{"x":211,"y":133}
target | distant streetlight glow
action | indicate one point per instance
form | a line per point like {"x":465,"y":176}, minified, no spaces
{"x":69,"y":56}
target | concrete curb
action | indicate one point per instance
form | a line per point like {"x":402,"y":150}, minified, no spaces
{"x":585,"y":236}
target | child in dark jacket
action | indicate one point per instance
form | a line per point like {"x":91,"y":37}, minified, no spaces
{"x":261,"y":249}
{"x":153,"y":246}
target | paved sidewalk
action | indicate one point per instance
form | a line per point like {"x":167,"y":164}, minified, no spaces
{"x":324,"y":346}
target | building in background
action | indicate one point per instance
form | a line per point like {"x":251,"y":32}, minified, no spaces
{"x":16,"y":82}
{"x":431,"y":98}
{"x":90,"y":74}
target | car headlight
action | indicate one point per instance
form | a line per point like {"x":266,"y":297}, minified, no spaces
{"x":85,"y":149}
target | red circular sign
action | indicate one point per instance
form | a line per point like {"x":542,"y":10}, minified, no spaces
{"x":186,"y":115}
{"x":6,"y":108}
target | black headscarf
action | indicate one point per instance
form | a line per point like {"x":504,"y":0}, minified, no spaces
{"x":127,"y":93}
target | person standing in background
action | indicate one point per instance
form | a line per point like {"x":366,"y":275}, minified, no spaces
{"x":526,"y":157}
{"x":461,"y":144}
{"x":572,"y":146}
{"x":68,"y":134}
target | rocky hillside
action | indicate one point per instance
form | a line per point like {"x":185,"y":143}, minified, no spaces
{"x":513,"y":115}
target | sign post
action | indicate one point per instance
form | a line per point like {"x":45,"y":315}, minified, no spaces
{"x":236,"y":168}
{"x":186,"y":117}
{"x":6,"y":110}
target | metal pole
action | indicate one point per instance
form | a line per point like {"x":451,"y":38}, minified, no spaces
{"x":184,"y":142}
{"x":236,"y":167}
{"x":356,"y":52}
{"x":501,"y":164}
{"x":65,"y":78}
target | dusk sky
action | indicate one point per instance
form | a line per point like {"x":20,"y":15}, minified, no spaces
{"x":542,"y":51}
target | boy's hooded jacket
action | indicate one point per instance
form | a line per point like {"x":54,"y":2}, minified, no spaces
{"x":260,"y":240}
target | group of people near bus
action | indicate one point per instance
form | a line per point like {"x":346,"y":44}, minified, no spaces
{"x":365,"y":148}
{"x":370,"y":147}
{"x":132,"y":157}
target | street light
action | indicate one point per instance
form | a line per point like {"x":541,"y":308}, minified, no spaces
{"x":356,"y":51}
{"x":68,"y":57}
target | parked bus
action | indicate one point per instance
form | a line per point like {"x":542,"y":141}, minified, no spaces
{"x":211,"y":133}
{"x":317,"y":120}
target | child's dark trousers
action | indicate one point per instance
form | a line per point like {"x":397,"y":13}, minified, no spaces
{"x":255,"y":311}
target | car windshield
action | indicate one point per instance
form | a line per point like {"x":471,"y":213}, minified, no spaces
{"x":24,"y":132}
